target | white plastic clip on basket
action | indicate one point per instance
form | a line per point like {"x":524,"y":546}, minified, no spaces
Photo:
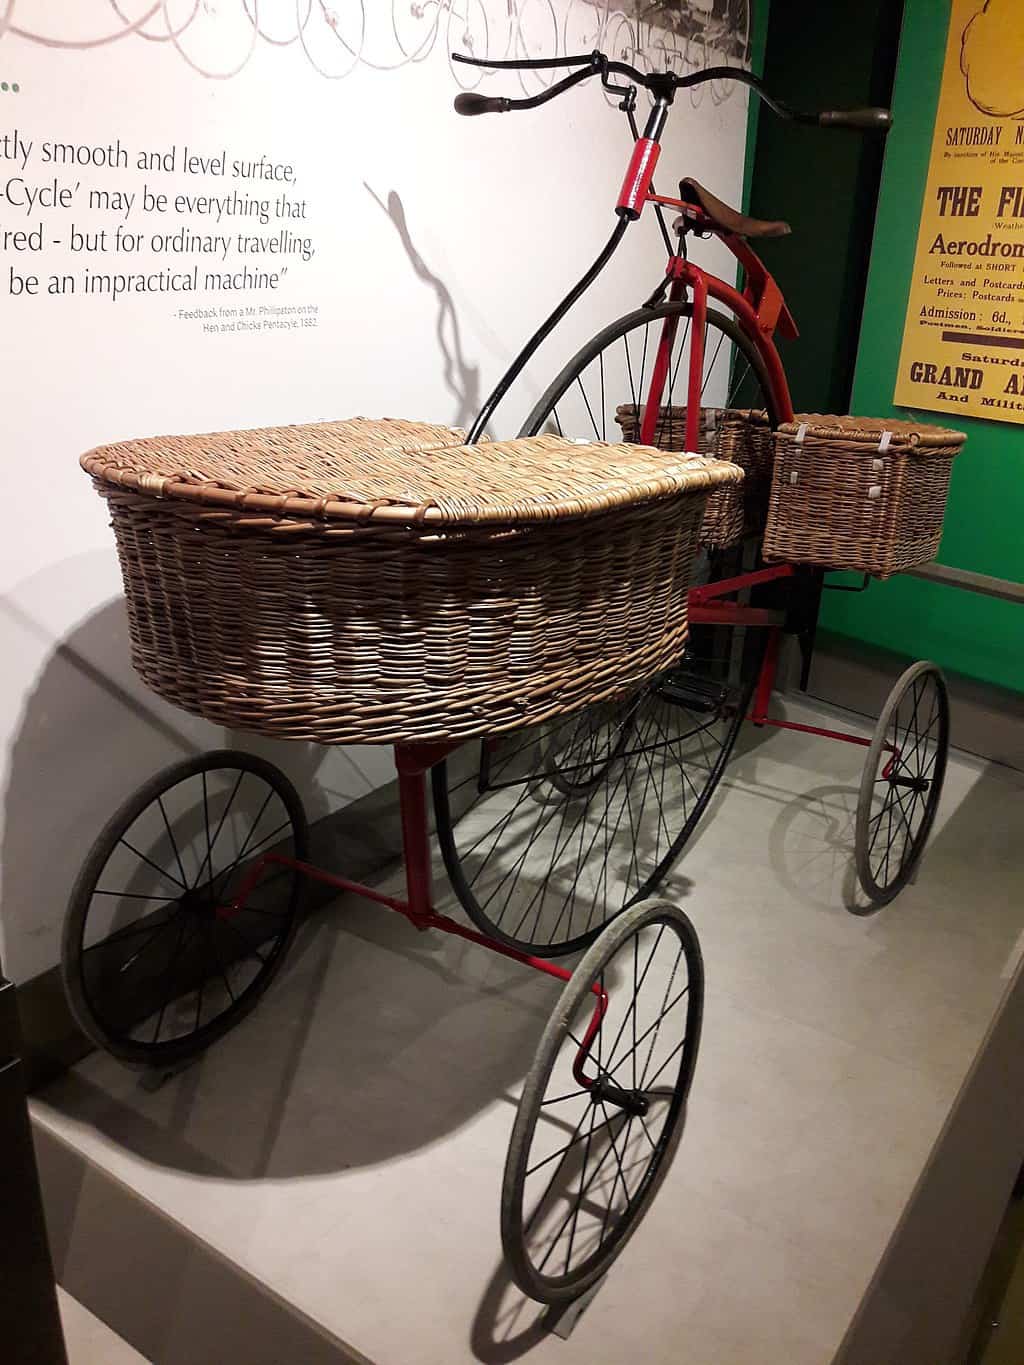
{"x":860,"y":493}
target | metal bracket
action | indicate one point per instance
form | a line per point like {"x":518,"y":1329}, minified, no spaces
{"x":562,"y":1321}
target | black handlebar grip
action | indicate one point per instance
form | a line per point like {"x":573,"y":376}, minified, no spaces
{"x":470,"y":103}
{"x":871,"y":120}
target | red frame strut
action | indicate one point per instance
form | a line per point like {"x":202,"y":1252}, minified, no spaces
{"x":413,"y":761}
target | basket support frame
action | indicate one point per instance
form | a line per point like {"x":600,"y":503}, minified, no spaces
{"x":413,"y":762}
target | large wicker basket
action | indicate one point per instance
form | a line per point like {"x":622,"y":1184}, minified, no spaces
{"x":741,"y":435}
{"x":369,"y":582}
{"x":860,"y":493}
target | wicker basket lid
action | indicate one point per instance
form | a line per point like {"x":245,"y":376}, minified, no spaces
{"x":869,"y":432}
{"x":400,"y":472}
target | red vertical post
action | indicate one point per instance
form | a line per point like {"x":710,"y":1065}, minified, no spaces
{"x":652,"y":408}
{"x":412,"y":797}
{"x":766,"y":678}
{"x":695,"y":384}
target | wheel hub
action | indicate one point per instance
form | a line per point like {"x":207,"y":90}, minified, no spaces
{"x":198,"y":903}
{"x":915,"y":784}
{"x":606,"y":1091}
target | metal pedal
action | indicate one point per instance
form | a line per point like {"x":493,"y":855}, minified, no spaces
{"x":692,"y":691}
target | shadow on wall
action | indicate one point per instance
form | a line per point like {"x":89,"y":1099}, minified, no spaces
{"x":461,"y":379}
{"x":89,"y":734}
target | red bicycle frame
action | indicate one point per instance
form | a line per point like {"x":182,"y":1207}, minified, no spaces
{"x":413,"y":761}
{"x":760,"y":310}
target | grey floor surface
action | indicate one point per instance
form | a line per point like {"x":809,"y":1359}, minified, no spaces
{"x":342,"y":1150}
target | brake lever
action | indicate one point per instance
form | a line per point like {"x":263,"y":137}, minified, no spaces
{"x":628,"y":92}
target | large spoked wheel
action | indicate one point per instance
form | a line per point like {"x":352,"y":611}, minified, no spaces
{"x":157,"y":960}
{"x":902,"y":782}
{"x":603,"y":1105}
{"x":576,"y":820}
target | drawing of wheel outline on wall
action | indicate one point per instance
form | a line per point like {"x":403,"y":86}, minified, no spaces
{"x":186,"y":33}
{"x":659,"y":46}
{"x":618,"y":42}
{"x":531,"y":41}
{"x":583,"y":27}
{"x":720,"y":40}
{"x":255,"y":12}
{"x":308,"y":11}
{"x":128,"y":27}
{"x":694,"y":59}
{"x":459,"y":39}
{"x":417,"y":9}
{"x":746,"y":42}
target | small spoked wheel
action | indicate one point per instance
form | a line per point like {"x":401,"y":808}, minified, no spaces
{"x":576,"y":820}
{"x":902,"y":782}
{"x":603,"y":1106}
{"x":161,"y":953}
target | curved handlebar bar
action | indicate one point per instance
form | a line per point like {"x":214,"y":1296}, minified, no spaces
{"x":662,"y":84}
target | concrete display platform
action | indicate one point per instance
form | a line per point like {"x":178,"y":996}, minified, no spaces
{"x":324,"y":1184}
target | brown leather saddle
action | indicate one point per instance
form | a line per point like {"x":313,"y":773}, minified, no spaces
{"x":729,"y":220}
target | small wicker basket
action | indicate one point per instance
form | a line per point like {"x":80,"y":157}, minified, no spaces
{"x":740,"y":435}
{"x":374,"y":582}
{"x":861,"y":493}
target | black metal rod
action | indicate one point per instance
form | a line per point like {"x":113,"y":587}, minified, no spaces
{"x":546,"y":328}
{"x":529,"y":63}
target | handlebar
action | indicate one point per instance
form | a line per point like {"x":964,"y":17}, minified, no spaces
{"x":662,"y":84}
{"x":470,"y":103}
{"x":870,"y":119}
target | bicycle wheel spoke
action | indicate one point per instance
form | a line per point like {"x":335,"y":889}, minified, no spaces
{"x":212,"y":844}
{"x":619,"y":1174}
{"x":647,"y":1031}
{"x":661,"y":1020}
{"x":134,"y":896}
{"x":608,"y":798}
{"x":673,"y":1054}
{"x":714,"y":358}
{"x":170,"y":835}
{"x":129,"y":931}
{"x":577,"y":1137}
{"x":143,"y":989}
{"x":251,"y":950}
{"x":150,"y":863}
{"x":579,"y":1202}
{"x":567,"y":1213}
{"x":142,"y":948}
{"x":168,"y":998}
{"x":560,"y":1099}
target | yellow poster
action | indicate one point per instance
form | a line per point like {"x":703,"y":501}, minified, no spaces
{"x":963,"y":340}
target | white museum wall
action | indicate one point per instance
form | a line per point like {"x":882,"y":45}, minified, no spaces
{"x":416,"y":318}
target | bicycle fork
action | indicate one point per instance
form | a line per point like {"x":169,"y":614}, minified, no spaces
{"x":683,"y":278}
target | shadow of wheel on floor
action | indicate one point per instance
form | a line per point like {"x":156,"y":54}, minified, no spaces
{"x":811,"y":846}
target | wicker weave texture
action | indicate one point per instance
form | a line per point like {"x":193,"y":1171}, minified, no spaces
{"x":859,"y":493}
{"x":349,"y":629}
{"x":740,"y":435}
{"x":344,"y":473}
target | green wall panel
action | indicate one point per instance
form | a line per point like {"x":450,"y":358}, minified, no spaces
{"x":984,"y":529}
